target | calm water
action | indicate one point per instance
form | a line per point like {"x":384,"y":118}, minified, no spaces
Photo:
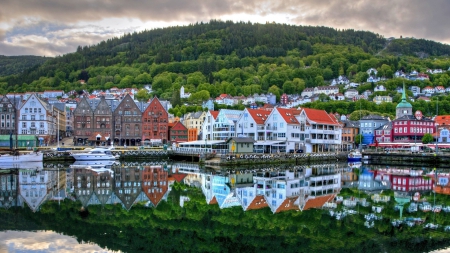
{"x":162,"y":207}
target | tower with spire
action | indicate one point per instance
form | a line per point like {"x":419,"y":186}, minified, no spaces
{"x":403,"y":108}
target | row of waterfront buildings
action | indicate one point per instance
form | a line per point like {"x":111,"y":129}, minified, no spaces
{"x":125,"y":121}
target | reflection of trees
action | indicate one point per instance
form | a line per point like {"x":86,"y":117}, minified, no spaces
{"x":202,"y":227}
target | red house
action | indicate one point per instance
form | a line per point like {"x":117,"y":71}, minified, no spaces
{"x":154,"y":123}
{"x":178,"y":133}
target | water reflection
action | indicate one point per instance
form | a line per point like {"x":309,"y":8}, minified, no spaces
{"x":324,"y":197}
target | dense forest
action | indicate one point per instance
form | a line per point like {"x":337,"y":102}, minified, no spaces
{"x":199,"y":227}
{"x":236,"y":58}
{"x":10,"y":65}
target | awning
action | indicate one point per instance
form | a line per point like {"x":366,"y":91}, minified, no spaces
{"x":267,"y":143}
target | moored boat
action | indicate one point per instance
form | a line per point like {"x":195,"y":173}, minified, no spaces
{"x":95,"y":154}
{"x":21,"y":158}
{"x":354,"y":156}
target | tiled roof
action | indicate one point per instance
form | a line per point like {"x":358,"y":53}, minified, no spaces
{"x":317,"y":202}
{"x":288,"y":204}
{"x":213,"y":201}
{"x":214,"y":114}
{"x":442,"y":120}
{"x":257,"y":203}
{"x":320,"y":116}
{"x":259,"y":115}
{"x":289,"y":115}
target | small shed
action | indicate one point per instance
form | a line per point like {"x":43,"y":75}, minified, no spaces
{"x":240,"y":145}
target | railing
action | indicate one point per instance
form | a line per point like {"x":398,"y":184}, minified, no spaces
{"x":259,"y":128}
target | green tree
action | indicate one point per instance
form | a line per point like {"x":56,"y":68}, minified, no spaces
{"x":358,"y":139}
{"x":427,"y":138}
{"x":142,"y":95}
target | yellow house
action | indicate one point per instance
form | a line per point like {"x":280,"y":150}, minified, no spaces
{"x":194,"y":120}
{"x":380,"y":99}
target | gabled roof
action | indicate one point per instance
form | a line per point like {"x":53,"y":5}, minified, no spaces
{"x":287,"y":204}
{"x":320,"y":116}
{"x":213,"y":201}
{"x":442,"y":120}
{"x":317,"y":202}
{"x":259,"y":116}
{"x":214,"y":114}
{"x":289,"y":115}
{"x":258,"y":202}
{"x":179,"y":126}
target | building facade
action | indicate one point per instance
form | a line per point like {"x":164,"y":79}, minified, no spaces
{"x":155,"y":121}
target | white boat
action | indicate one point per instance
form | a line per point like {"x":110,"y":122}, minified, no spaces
{"x":93,"y":164}
{"x":21,"y":158}
{"x":354,"y":156}
{"x":95,"y":154}
{"x":21,"y":165}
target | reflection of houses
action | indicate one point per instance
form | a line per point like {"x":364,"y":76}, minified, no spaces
{"x":441,"y":182}
{"x":323,"y":181}
{"x":407,"y":180}
{"x":155,"y":183}
{"x":281,"y":189}
{"x":35,"y":187}
{"x":103,"y":186}
{"x":127,"y":185}
{"x":368,"y":182}
{"x":9,"y":190}
{"x":83,"y":185}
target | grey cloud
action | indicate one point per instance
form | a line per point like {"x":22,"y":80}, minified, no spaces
{"x":59,"y":21}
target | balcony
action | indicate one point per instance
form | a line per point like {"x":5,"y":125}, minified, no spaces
{"x":271,"y":128}
{"x":260,"y":128}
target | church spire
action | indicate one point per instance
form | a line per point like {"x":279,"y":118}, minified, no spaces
{"x":404,"y":93}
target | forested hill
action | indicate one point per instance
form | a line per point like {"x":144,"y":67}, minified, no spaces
{"x":10,"y":65}
{"x":186,"y":43}
{"x":419,"y":47}
{"x":237,"y":58}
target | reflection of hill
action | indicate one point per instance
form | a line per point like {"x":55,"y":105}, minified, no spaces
{"x":203,"y":227}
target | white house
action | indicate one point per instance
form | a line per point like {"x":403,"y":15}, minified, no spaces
{"x":428,"y":90}
{"x":379,"y":88}
{"x":39,"y":118}
{"x":251,"y":123}
{"x":283,"y":130}
{"x":183,"y":94}
{"x":319,"y":131}
{"x":340,"y":80}
{"x":351,"y":93}
{"x":208,"y":124}
{"x":373,"y":79}
{"x":372,"y":71}
{"x":225,"y":124}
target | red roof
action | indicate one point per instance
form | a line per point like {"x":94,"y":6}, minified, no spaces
{"x":259,"y":115}
{"x":257,"y":203}
{"x":178,"y":177}
{"x":289,"y":115}
{"x":214,"y":114}
{"x":317,"y":202}
{"x":442,"y":120}
{"x":213,"y":201}
{"x":288,"y":204}
{"x":320,"y":116}
{"x":178,"y":126}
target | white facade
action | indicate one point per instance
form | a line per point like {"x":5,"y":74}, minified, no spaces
{"x":183,"y":94}
{"x":38,"y":118}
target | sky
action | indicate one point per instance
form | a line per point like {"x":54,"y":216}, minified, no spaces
{"x":55,"y":27}
{"x":44,"y":241}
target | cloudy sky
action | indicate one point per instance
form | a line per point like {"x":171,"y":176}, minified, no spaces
{"x":44,"y":241}
{"x":55,"y":27}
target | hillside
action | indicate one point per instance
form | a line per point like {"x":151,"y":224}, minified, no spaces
{"x":11,"y":65}
{"x":234,"y":58}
